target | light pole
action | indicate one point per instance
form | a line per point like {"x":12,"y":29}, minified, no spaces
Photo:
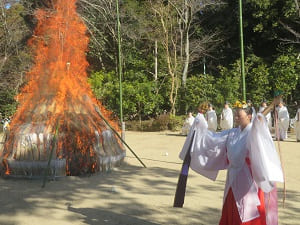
{"x":242,"y":50}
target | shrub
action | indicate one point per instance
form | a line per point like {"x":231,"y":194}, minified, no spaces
{"x":162,"y":122}
{"x":175,"y":123}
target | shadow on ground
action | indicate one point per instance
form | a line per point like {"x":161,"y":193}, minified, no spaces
{"x":117,"y":189}
{"x":116,"y":198}
{"x":98,"y":216}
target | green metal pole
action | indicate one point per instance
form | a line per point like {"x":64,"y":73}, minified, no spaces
{"x":120,"y":61}
{"x":242,"y":50}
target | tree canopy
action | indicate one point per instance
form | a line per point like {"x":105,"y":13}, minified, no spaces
{"x":175,"y":53}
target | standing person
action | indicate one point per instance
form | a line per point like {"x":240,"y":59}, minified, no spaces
{"x":249,"y":154}
{"x":187,"y":124}
{"x":249,"y":103}
{"x":211,"y":118}
{"x":262,"y":107}
{"x":297,"y":123}
{"x":202,"y":109}
{"x":283,"y":120}
{"x":6,"y":125}
{"x":226,"y":121}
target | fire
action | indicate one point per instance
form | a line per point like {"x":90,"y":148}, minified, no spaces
{"x":57,"y":95}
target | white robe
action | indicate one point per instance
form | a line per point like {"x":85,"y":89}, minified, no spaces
{"x":226,"y":121}
{"x":212,"y":120}
{"x":268,"y":116}
{"x":187,"y":125}
{"x":5,"y":126}
{"x":297,"y":125}
{"x":253,"y":113}
{"x":211,"y":152}
{"x":283,"y":121}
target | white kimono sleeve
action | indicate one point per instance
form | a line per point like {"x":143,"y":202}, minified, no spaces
{"x":265,"y":163}
{"x":208,"y":149}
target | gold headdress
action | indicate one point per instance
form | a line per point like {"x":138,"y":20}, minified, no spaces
{"x":241,"y":105}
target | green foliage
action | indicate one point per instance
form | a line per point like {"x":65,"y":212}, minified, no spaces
{"x":175,"y":123}
{"x":228,"y":84}
{"x":161,"y":123}
{"x":257,"y":79}
{"x":285,"y":73}
{"x":7,"y":102}
{"x":270,"y":65}
{"x":199,"y":88}
{"x":139,"y":97}
{"x":15,"y":57}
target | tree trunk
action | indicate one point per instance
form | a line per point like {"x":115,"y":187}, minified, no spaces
{"x":186,"y":44}
{"x":186,"y":59}
{"x":170,"y":46}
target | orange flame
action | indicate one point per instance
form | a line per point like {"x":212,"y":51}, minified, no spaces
{"x":57,"y":91}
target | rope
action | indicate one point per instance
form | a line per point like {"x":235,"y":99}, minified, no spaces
{"x":280,"y":155}
{"x":156,"y":160}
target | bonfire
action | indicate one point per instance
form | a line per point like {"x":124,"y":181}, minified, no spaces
{"x":58,"y":120}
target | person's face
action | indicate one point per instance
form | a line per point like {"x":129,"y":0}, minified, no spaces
{"x":264,"y":104}
{"x":241,"y":118}
{"x":280,"y":104}
{"x":226,"y":106}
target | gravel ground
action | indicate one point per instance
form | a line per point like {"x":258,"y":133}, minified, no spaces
{"x":133,"y":195}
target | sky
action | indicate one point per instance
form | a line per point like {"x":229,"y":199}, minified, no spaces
{"x":9,"y":3}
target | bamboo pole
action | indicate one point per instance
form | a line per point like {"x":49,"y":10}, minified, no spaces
{"x":242,"y":50}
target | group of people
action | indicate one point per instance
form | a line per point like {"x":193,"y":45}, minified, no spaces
{"x":249,"y":155}
{"x":280,"y":115}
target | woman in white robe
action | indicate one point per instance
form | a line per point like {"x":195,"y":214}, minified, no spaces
{"x":226,"y":121}
{"x":249,"y":155}
{"x":297,"y":125}
{"x":211,"y":118}
{"x":187,"y":124}
{"x":249,"y":103}
{"x":283,"y":120}
{"x":268,"y":116}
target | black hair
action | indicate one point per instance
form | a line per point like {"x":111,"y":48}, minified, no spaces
{"x":247,"y":110}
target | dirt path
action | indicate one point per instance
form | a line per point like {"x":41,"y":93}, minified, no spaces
{"x":132,"y":195}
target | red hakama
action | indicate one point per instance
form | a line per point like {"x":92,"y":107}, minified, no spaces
{"x":230,"y":214}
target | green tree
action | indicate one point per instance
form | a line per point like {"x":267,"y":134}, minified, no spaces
{"x":285,"y":73}
{"x":14,"y":55}
{"x":7,"y":102}
{"x":139,"y":97}
{"x":257,"y":79}
{"x":276,"y":20}
{"x":228,"y":85}
{"x":198,"y":88}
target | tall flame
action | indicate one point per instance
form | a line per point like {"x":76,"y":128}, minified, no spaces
{"x":57,"y":92}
